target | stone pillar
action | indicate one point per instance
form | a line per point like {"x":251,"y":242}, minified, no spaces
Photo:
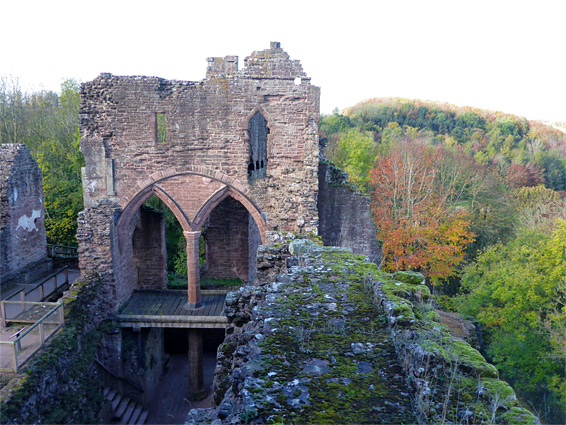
{"x":196,"y":378}
{"x":193,"y":269}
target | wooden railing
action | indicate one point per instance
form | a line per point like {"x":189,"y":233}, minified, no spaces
{"x":26,"y":342}
{"x":40,"y":291}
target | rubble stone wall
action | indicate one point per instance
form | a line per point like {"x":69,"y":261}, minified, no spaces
{"x":345,"y":214}
{"x":192,"y":145}
{"x":328,"y":337}
{"x":61,"y":384}
{"x":22,"y":218}
{"x":98,"y":246}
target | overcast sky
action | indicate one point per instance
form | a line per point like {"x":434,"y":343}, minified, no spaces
{"x":497,"y":54}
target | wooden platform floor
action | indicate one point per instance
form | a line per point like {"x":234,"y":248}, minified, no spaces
{"x":168,"y":308}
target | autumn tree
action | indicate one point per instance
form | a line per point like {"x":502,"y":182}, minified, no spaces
{"x":421,"y":229}
{"x":524,"y":175}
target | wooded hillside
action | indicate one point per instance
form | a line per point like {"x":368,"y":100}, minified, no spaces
{"x":475,"y":200}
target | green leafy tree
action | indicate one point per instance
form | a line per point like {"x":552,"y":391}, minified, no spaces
{"x":48,"y":124}
{"x":334,"y":124}
{"x":480,"y":191}
{"x":356,"y":153}
{"x":518,"y":292}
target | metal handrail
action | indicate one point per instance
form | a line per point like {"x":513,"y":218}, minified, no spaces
{"x":16,"y":343}
{"x":121,"y":378}
{"x":24,"y":292}
{"x":72,"y":251}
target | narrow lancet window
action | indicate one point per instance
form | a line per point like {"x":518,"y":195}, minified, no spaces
{"x":257,"y":164}
{"x":161,"y":127}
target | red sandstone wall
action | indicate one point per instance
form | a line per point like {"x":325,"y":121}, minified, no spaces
{"x":207,"y":126}
{"x":149,"y":251}
{"x":227,"y":241}
{"x":204,"y":159}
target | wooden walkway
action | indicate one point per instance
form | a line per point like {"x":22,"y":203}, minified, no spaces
{"x":168,"y":309}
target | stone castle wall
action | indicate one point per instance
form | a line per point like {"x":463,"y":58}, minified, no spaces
{"x":250,"y":135}
{"x":207,"y":135}
{"x":345,"y":214}
{"x":22,"y":219}
{"x":149,"y":250}
{"x":227,"y":242}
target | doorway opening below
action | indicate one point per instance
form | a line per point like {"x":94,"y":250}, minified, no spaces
{"x":169,"y":401}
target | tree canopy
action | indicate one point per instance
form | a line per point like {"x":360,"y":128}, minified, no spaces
{"x":518,"y":292}
{"x":421,"y":229}
{"x":47,"y":123}
{"x":462,"y":190}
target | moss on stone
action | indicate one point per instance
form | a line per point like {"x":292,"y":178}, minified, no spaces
{"x":327,"y":313}
{"x":411,"y":292}
{"x":413,"y":278}
{"x":458,"y":352}
{"x":500,"y":390}
{"x":518,"y":416}
{"x":66,"y":364}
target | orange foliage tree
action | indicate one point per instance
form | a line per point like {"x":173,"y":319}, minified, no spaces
{"x":421,"y":229}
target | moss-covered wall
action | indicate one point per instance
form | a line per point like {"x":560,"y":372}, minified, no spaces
{"x":451,"y":381}
{"x":61,"y":384}
{"x":332,"y":339}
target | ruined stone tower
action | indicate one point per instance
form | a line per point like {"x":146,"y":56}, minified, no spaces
{"x":238,"y":150}
{"x":23,"y":253}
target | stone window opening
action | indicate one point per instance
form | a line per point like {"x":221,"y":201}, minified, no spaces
{"x":161,"y":127}
{"x":258,"y":131}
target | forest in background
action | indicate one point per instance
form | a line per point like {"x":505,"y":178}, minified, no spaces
{"x":474,"y":199}
{"x":48,"y":124}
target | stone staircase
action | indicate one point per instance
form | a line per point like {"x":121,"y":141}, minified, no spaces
{"x":125,"y":410}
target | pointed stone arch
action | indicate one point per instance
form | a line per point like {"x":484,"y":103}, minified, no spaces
{"x":230,"y":187}
{"x":262,"y":111}
{"x":154,"y":178}
{"x":257,"y":130}
{"x":217,"y":198}
{"x":123,"y":222}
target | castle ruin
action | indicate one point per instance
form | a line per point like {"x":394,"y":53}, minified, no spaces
{"x":238,"y":149}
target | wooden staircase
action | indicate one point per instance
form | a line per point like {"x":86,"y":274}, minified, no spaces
{"x":125,"y":410}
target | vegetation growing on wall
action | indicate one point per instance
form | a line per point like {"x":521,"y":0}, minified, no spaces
{"x":318,"y":350}
{"x":61,"y":384}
